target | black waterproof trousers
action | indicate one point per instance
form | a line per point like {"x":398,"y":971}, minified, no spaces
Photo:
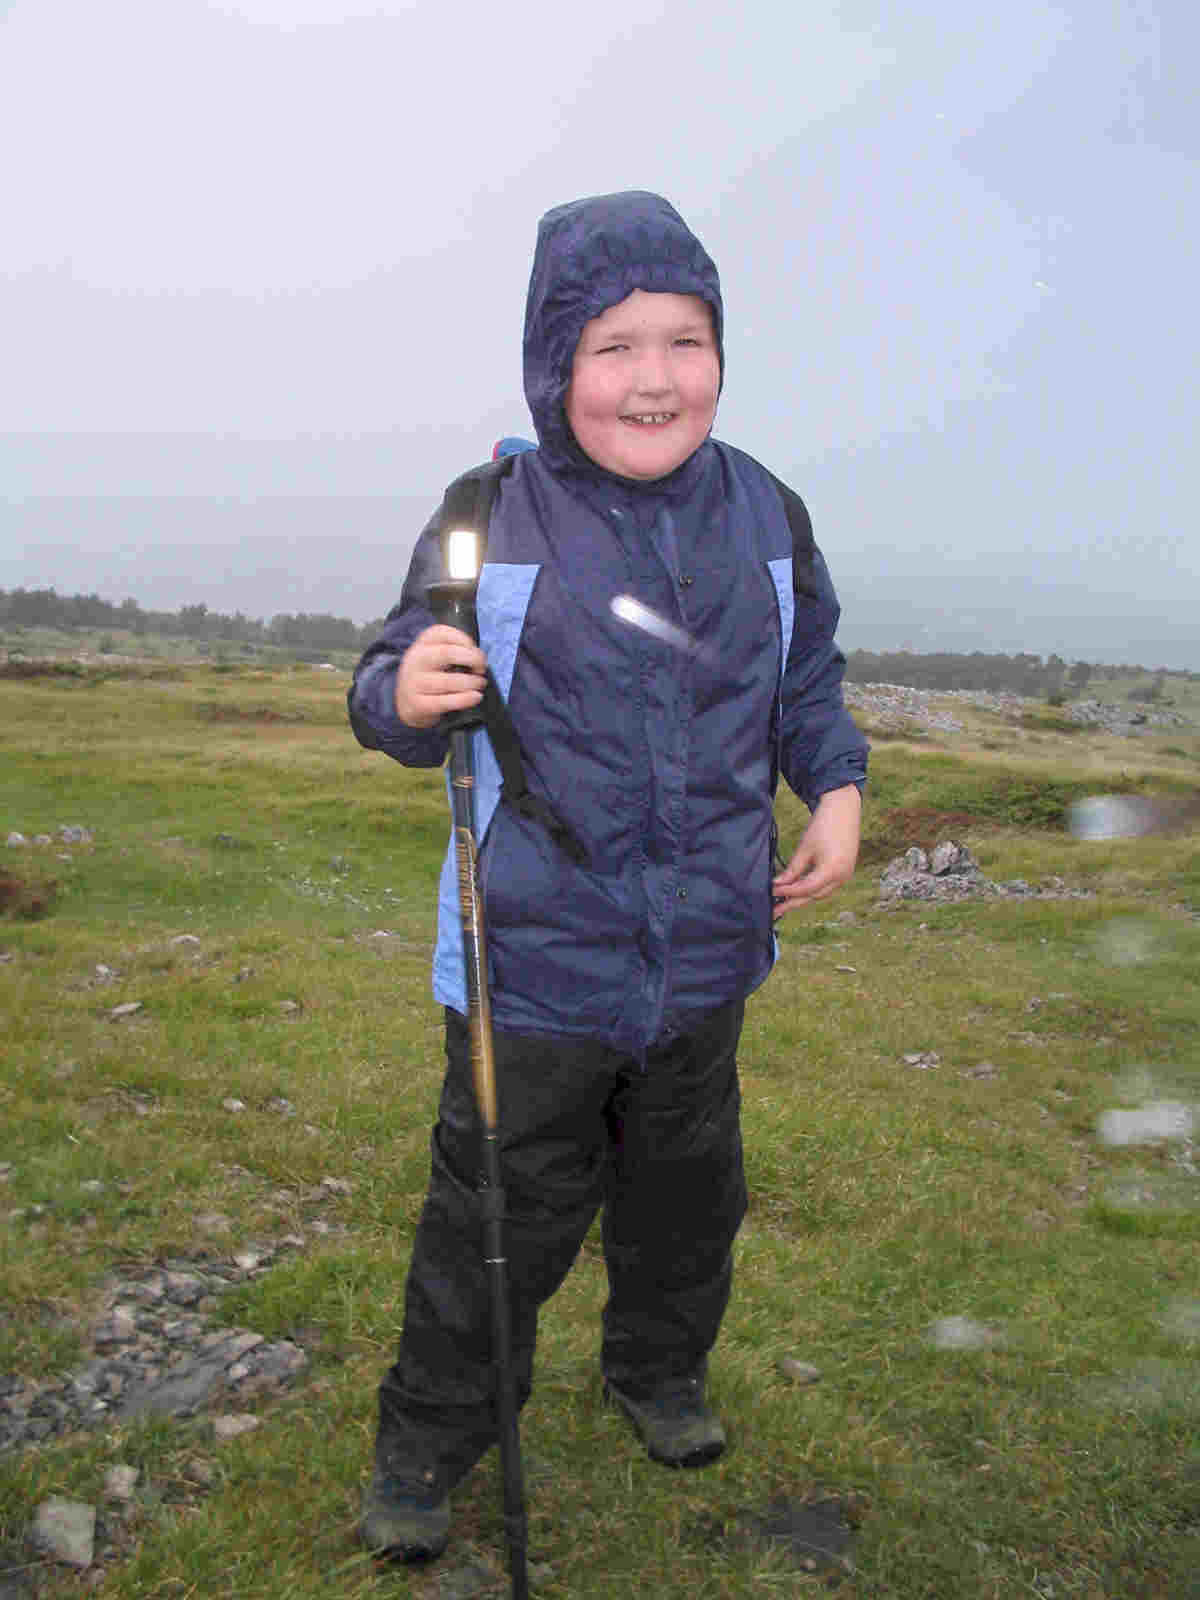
{"x":582,"y":1126}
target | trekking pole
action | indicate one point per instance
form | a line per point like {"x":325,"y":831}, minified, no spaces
{"x":453,"y":601}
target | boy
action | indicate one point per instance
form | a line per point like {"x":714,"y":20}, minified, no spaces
{"x":661,"y":626}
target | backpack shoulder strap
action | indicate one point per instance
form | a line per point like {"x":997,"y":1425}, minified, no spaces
{"x":468,"y":501}
{"x":514,"y":790}
{"x":800,"y":523}
{"x":803,"y":544}
{"x":468,"y":504}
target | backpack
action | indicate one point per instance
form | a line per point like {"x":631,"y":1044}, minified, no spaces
{"x":468,"y":504}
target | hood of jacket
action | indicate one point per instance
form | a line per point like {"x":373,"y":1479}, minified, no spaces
{"x":590,"y":255}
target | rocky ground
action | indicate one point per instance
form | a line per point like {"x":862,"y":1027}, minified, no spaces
{"x":153,"y":1351}
{"x":950,"y":872}
{"x":891,"y":705}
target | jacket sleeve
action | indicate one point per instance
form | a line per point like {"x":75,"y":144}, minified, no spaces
{"x":820,"y":747}
{"x":371,"y":700}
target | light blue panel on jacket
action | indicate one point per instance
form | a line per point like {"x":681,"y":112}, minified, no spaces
{"x":504,"y":591}
{"x":503,"y":599}
{"x":781,"y":576}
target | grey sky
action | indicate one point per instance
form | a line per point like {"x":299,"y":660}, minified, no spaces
{"x":263,"y":269}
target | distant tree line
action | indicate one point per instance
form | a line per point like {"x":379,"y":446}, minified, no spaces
{"x":1032,"y":676}
{"x":310,"y":636}
{"x":303,"y":633}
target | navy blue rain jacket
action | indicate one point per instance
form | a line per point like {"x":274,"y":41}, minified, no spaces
{"x":660,"y":749}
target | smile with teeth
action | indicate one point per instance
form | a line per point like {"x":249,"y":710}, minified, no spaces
{"x":642,"y":419}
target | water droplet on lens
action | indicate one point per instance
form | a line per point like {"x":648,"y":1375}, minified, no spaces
{"x":1125,"y":942}
{"x":1182,"y":1319}
{"x":961,"y":1333}
{"x":1111,"y":816}
{"x":1147,"y":1124}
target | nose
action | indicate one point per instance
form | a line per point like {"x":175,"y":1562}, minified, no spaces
{"x":653,"y":373}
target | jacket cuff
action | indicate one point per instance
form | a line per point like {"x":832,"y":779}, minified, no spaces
{"x":832,"y":780}
{"x":376,"y":725}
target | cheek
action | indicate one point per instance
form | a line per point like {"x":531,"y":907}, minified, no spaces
{"x":706,"y":387}
{"x":589,"y":403}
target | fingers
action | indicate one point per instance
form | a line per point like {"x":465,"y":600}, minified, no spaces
{"x":808,"y":878}
{"x":442,"y":670}
{"x":816,"y":886}
{"x":441,"y":647}
{"x":827,"y":854}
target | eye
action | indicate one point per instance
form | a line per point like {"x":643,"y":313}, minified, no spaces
{"x":610,"y":349}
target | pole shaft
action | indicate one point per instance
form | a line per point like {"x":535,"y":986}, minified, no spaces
{"x":491,"y":1191}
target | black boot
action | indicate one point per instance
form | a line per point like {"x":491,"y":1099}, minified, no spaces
{"x":406,"y":1507}
{"x":673,"y":1422}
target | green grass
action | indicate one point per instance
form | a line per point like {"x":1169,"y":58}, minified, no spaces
{"x":244,"y":853}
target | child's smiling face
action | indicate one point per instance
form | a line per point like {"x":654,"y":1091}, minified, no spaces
{"x":644,"y":384}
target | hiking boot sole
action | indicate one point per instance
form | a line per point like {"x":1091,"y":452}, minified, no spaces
{"x":387,"y":1543}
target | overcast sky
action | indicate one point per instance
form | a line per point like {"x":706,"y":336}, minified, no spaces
{"x":263,"y":265}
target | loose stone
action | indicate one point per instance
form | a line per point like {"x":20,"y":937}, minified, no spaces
{"x":65,"y":1530}
{"x":119,"y":1482}
{"x":118,"y":1328}
{"x":233,"y":1426}
{"x":183,"y":1289}
{"x":149,"y":1292}
{"x":797,"y":1371}
{"x":232,"y":1344}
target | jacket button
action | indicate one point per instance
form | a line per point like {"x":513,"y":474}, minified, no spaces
{"x":682,"y":893}
{"x":686,"y":580}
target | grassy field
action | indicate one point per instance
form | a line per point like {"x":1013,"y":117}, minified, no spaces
{"x":99,"y":647}
{"x":1004,"y":1308}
